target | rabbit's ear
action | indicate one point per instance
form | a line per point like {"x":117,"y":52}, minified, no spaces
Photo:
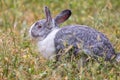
{"x":48,"y":14}
{"x":63,"y":16}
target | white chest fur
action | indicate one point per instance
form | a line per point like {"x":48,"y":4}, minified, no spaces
{"x":47,"y":46}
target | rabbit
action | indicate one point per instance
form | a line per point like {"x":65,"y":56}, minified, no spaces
{"x":50,"y":38}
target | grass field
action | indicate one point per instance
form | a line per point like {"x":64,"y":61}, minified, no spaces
{"x":19,"y":59}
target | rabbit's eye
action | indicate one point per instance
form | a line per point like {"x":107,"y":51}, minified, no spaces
{"x":39,"y":26}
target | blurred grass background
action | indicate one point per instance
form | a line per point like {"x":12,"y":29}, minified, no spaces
{"x":19,"y":59}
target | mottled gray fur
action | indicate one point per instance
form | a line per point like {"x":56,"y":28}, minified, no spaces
{"x":92,"y":41}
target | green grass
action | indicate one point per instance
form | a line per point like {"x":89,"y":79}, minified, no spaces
{"x":19,"y":59}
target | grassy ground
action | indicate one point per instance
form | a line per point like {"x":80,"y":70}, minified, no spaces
{"x":19,"y":59}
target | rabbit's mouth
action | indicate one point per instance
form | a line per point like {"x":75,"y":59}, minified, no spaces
{"x":37,"y":37}
{"x":34,"y":35}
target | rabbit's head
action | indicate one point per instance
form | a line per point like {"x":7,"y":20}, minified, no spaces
{"x":40,"y":29}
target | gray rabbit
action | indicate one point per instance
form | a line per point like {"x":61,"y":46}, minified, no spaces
{"x":51,"y":38}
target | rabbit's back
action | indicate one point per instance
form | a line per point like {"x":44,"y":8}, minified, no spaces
{"x":90,"y":41}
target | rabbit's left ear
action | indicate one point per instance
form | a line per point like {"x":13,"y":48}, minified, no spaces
{"x":63,"y":16}
{"x":48,"y":14}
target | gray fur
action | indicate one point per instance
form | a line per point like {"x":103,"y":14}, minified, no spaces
{"x":42,"y":32}
{"x":51,"y":38}
{"x":91,"y":40}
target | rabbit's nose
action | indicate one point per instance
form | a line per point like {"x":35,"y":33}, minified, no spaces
{"x":34,"y":34}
